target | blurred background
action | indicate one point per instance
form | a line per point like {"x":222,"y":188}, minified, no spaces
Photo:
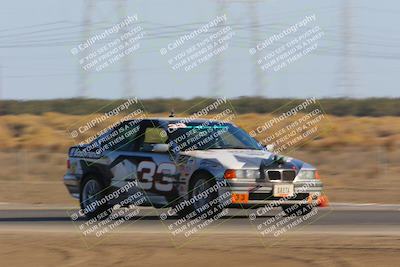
{"x":47,"y":87}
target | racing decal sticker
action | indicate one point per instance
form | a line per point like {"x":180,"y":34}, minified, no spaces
{"x":76,"y":152}
{"x":158,"y":178}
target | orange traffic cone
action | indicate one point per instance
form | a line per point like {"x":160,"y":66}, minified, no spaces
{"x":323,"y":201}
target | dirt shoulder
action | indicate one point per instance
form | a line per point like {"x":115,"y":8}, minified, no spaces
{"x":66,"y":249}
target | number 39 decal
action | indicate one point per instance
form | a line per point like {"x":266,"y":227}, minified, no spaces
{"x":159,"y":179}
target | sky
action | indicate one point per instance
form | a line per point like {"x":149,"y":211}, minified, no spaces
{"x":357,"y":56}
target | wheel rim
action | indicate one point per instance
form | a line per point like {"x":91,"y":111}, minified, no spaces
{"x":90,"y":193}
{"x":199,"y":187}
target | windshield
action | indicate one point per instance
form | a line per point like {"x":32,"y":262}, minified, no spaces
{"x":209,"y":135}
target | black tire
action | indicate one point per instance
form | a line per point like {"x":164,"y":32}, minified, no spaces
{"x":96,"y":187}
{"x":206,"y":207}
{"x":296,"y":209}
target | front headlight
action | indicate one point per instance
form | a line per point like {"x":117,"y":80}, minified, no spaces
{"x":306,"y":175}
{"x":249,"y":174}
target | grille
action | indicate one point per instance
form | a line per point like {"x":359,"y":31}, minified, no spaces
{"x":274,"y":175}
{"x":287,"y":175}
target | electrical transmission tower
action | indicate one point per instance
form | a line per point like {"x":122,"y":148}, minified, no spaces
{"x":259,"y":78}
{"x":1,"y":83}
{"x":2,"y":108}
{"x":346,"y":82}
{"x":87,"y":24}
{"x":84,"y":81}
{"x":217,"y":68}
{"x":126,"y":61}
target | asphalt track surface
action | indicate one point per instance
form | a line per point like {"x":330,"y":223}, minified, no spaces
{"x":360,"y":219}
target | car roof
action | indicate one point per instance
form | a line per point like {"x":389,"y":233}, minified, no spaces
{"x":177,"y":120}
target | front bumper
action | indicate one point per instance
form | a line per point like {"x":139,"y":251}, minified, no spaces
{"x":261,"y":193}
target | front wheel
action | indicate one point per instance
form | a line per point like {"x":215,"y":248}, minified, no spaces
{"x":203,"y":198}
{"x":297,"y":209}
{"x":92,"y":200}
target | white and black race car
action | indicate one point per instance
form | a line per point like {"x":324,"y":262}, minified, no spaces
{"x":188,"y":166}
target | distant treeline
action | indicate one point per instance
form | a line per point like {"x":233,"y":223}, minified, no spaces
{"x":335,"y":106}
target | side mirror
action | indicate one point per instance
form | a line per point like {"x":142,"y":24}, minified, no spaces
{"x":161,"y":148}
{"x":270,"y":147}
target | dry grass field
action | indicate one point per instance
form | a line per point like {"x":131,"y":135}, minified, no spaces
{"x":51,"y":130}
{"x":358,"y":157}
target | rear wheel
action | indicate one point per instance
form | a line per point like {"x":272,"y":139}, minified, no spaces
{"x":297,"y":209}
{"x":92,"y":201}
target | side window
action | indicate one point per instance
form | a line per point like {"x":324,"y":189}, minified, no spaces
{"x":152,"y":136}
{"x":121,"y":138}
{"x":129,"y":135}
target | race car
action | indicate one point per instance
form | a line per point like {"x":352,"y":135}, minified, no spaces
{"x":188,"y":166}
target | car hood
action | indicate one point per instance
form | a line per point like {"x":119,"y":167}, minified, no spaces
{"x":246,"y":159}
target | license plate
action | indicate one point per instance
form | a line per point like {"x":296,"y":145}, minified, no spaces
{"x":240,"y":198}
{"x":283,"y":190}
